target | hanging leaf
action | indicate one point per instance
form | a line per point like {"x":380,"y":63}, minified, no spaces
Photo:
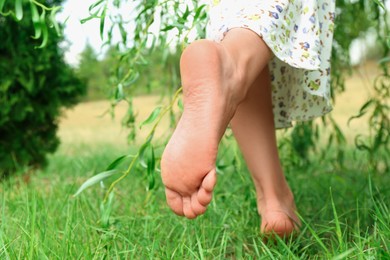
{"x":119,"y":92}
{"x":117,"y":162}
{"x":2,"y":2}
{"x":95,"y":179}
{"x":199,"y":11}
{"x":363,"y":110}
{"x":36,"y":21}
{"x":53,"y":19}
{"x":167,"y":28}
{"x":45,"y":33}
{"x":380,"y":4}
{"x":152,"y":117}
{"x":142,"y":151}
{"x":19,"y":10}
{"x":102,"y":21}
{"x":93,"y":14}
{"x":151,"y":169}
{"x":180,"y":104}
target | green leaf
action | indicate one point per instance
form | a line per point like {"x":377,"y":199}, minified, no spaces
{"x":119,"y":95}
{"x":53,"y":19}
{"x":123,"y":33}
{"x":151,"y":117}
{"x":385,"y":59}
{"x":45,"y":33}
{"x":95,"y":5}
{"x":36,"y":21}
{"x":363,"y":110}
{"x":142,"y":150}
{"x":93,"y":15}
{"x":117,"y":162}
{"x":102,"y":21}
{"x":168,"y":28}
{"x":95,"y":179}
{"x":2,"y":2}
{"x":151,"y":169}
{"x":199,"y":11}
{"x":186,"y":14}
{"x":19,"y":10}
{"x":180,"y":104}
{"x":380,"y":4}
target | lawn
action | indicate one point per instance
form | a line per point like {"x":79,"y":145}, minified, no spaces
{"x":345,"y":210}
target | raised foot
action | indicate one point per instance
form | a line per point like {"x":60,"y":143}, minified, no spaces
{"x":188,"y":162}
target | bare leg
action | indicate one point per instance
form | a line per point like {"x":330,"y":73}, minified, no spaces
{"x":216,"y":78}
{"x":253,"y":127}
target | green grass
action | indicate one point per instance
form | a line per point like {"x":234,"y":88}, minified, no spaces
{"x":345,"y":214}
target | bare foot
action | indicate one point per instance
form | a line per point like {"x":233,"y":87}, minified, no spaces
{"x":278,"y":215}
{"x":188,"y":162}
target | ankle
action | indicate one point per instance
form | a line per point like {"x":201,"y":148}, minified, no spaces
{"x":237,"y":87}
{"x":275,"y":196}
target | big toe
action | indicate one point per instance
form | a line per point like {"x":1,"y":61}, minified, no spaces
{"x":278,"y":223}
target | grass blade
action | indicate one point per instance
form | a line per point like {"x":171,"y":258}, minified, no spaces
{"x":344,"y":255}
{"x":315,"y":235}
{"x":337,"y":222}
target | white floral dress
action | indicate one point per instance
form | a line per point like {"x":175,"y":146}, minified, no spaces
{"x":299,"y":33}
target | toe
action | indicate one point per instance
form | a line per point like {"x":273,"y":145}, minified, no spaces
{"x":187,"y":209}
{"x":204,"y":197}
{"x":278,"y":223}
{"x":205,"y":192}
{"x":196,"y":206}
{"x":209,"y":181}
{"x":174,"y":201}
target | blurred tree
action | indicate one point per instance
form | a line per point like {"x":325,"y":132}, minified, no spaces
{"x":176,"y":22}
{"x":157,"y":79}
{"x":92,"y":71}
{"x":35,"y":84}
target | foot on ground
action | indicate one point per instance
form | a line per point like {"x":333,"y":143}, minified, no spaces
{"x":278,"y":217}
{"x":188,"y":171}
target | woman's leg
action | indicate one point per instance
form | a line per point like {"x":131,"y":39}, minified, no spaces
{"x":253,"y":127}
{"x":216,"y":78}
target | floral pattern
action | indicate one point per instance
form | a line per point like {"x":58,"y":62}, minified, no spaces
{"x":299,"y":33}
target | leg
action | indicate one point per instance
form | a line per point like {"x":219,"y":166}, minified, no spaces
{"x":253,"y":127}
{"x":215,"y":78}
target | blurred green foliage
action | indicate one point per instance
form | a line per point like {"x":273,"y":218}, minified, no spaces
{"x":94,"y":73}
{"x":354,"y":20}
{"x":143,"y":61}
{"x":99,"y":73}
{"x":35,"y":84}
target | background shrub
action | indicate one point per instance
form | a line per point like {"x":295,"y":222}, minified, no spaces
{"x":35,"y":84}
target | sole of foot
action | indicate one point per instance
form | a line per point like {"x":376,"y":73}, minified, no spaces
{"x":188,"y":162}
